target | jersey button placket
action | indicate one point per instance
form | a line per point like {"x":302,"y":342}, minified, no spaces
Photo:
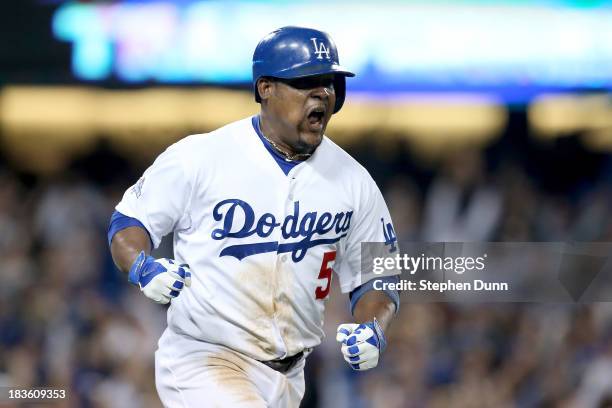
{"x":290,"y":196}
{"x":289,"y":210}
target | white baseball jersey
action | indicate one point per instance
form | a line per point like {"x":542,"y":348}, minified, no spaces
{"x":261,"y":244}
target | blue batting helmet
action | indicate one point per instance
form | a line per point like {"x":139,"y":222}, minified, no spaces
{"x":296,"y":52}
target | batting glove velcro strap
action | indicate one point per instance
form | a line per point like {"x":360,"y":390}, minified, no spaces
{"x":362,"y":344}
{"x":159,"y":279}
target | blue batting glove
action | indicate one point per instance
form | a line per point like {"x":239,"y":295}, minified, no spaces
{"x":159,"y":279}
{"x":362,"y":344}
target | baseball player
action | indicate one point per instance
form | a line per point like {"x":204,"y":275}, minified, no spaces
{"x":262,"y":211}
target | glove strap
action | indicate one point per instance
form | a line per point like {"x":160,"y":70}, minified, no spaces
{"x":382,"y":341}
{"x":135,"y":270}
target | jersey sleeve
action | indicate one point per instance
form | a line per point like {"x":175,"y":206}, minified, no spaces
{"x":160,"y":198}
{"x":372,"y":224}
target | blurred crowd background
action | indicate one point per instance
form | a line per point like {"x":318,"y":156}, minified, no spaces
{"x":452,"y":168}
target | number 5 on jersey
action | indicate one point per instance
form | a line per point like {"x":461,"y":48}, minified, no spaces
{"x":325,"y":273}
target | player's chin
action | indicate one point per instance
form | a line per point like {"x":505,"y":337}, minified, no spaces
{"x":310,"y":140}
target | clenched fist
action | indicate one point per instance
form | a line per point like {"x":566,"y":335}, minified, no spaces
{"x":362,"y":344}
{"x":159,"y":279}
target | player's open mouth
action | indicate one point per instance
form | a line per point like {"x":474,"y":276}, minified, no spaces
{"x":316,"y":117}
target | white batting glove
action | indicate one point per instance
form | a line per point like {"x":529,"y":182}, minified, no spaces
{"x":362,"y":344}
{"x":159,"y":279}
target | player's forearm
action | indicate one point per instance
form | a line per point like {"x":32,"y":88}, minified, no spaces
{"x":127,"y":245}
{"x":375,"y":304}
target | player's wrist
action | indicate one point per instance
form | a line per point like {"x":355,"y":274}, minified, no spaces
{"x":379,"y":333}
{"x":138,"y":266}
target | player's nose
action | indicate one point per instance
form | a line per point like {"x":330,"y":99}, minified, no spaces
{"x":323,"y":92}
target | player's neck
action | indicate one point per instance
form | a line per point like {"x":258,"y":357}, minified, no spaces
{"x":272,"y":135}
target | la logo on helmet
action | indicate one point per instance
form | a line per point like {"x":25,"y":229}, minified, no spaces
{"x":320,"y":49}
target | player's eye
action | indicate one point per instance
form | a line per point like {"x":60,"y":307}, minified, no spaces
{"x":326,"y":81}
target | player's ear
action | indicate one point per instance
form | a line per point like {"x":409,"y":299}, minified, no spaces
{"x":265,"y":87}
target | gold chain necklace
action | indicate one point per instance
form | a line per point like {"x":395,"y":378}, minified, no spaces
{"x":287,"y":156}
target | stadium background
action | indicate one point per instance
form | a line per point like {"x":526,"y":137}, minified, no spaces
{"x":496,"y":149}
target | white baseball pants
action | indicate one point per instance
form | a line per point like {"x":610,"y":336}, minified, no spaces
{"x":197,"y":374}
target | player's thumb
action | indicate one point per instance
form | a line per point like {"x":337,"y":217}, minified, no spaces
{"x":344,"y":331}
{"x":187,"y":277}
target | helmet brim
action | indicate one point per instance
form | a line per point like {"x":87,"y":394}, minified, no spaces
{"x":302,"y":70}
